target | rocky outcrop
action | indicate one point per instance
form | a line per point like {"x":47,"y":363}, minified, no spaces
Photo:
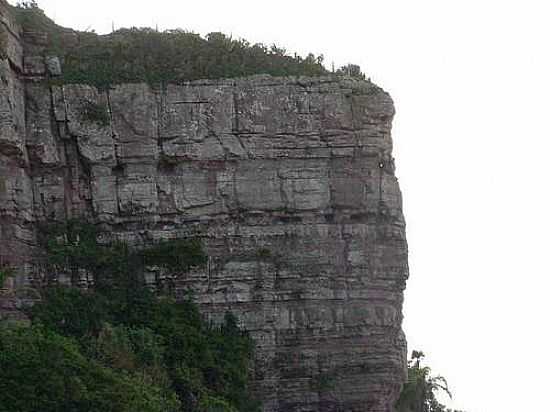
{"x":16,"y":215}
{"x":289,"y":182}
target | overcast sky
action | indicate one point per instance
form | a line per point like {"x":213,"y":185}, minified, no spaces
{"x":470,"y":81}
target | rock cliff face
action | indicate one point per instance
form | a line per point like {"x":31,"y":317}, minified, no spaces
{"x":289,"y":182}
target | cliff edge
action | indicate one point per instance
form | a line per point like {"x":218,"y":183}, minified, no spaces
{"x":288,"y":181}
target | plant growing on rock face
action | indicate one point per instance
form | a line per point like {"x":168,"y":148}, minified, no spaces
{"x":73,"y":248}
{"x":419,"y":392}
{"x":3,"y":43}
{"x":263,"y":253}
{"x":161,"y":346}
{"x":5,"y":272}
{"x":176,"y":255}
{"x":95,"y":112}
{"x":323,"y":382}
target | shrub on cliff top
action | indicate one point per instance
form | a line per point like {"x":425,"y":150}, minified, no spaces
{"x":147,"y":55}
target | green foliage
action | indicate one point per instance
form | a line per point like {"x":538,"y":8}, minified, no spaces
{"x":96,"y":113}
{"x":165,"y":342}
{"x":129,"y":348}
{"x":263,"y":253}
{"x":3,"y":43}
{"x":107,"y":343}
{"x":33,"y":19}
{"x":352,"y":70}
{"x":73,"y":246}
{"x":209,"y":404}
{"x":323,"y":382}
{"x":147,"y":55}
{"x":71,"y":312}
{"x":176,"y":256}
{"x":136,"y":55}
{"x":5,"y":272}
{"x":44,"y":371}
{"x":419,"y":392}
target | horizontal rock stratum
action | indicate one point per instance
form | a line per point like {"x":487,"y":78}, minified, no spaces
{"x":289,"y":182}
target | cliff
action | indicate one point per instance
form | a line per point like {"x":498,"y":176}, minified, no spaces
{"x":289,"y":182}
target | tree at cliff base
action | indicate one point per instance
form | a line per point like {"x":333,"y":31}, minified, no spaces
{"x":118,"y":346}
{"x":419,"y":393}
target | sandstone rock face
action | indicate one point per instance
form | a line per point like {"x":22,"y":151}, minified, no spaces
{"x":16,"y":186}
{"x":289,"y":182}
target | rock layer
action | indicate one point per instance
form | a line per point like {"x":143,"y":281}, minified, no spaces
{"x":289,"y":182}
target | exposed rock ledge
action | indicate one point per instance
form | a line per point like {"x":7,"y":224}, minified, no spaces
{"x":289,"y":181}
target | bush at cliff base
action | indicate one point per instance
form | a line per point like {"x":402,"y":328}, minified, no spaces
{"x":119,"y":347}
{"x":44,"y":371}
{"x":79,"y":354}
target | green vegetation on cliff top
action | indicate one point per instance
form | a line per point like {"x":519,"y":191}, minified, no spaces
{"x":147,"y":55}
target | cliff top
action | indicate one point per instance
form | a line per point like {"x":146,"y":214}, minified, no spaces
{"x":135,"y":55}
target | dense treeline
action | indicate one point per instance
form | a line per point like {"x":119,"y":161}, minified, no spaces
{"x":133,"y":55}
{"x":147,"y":55}
{"x":118,"y":346}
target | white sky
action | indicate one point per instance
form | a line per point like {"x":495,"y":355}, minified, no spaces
{"x":470,"y":80}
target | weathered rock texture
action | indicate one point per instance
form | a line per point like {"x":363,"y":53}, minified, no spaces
{"x":289,"y":181}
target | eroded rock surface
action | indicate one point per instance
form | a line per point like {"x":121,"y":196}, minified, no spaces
{"x":289,"y":181}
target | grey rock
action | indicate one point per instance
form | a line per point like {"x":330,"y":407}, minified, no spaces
{"x":288,"y":181}
{"x":53,"y":64}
